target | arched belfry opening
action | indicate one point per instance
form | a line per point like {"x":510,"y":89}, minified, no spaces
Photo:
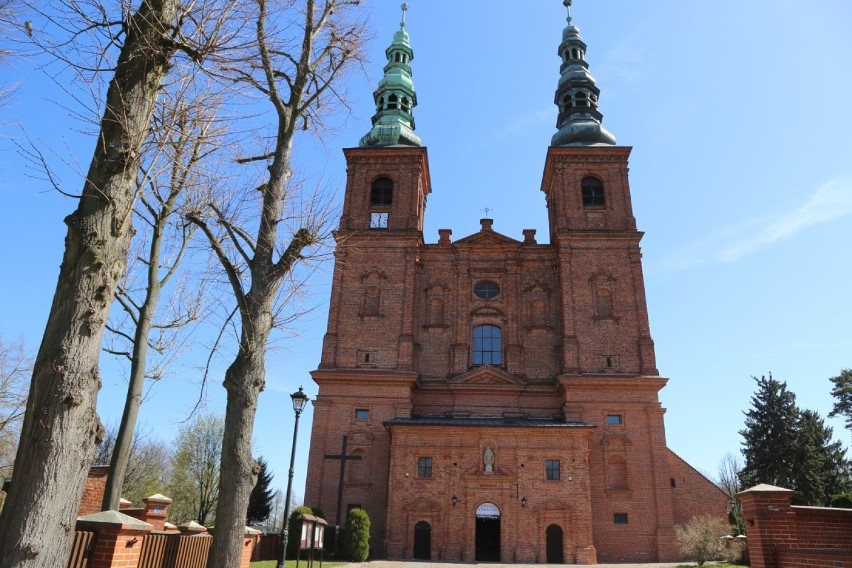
{"x":487,"y":533}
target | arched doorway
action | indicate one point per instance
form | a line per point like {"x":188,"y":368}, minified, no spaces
{"x":487,"y":533}
{"x":422,"y":541}
{"x":554,"y":545}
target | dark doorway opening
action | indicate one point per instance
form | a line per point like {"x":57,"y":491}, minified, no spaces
{"x":422,"y":541}
{"x":487,"y":533}
{"x":554,"y":545}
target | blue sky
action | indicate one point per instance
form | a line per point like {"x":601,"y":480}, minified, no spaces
{"x":741,"y":176}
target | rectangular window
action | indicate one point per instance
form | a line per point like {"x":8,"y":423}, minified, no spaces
{"x":613,"y":419}
{"x":362,"y":414}
{"x":551,"y":470}
{"x":424,"y":467}
{"x":487,"y":345}
{"x":619,"y":518}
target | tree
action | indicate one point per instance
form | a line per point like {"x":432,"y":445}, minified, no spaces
{"x":261,"y":498}
{"x":842,"y":392}
{"x":180,"y":143}
{"x":729,"y":482}
{"x":822,"y":469}
{"x":769,"y":435}
{"x":701,"y":538}
{"x":148,"y":467}
{"x":61,"y":428}
{"x":356,"y":536}
{"x":15,"y":369}
{"x":791,"y":448}
{"x":194,"y":487}
{"x":298,"y":74}
{"x":7,"y":21}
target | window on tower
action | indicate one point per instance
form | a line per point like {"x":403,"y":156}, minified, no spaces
{"x":424,"y":467}
{"x":593,"y":192}
{"x":381,"y":192}
{"x":487,"y":345}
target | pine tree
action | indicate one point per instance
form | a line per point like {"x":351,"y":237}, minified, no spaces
{"x":791,"y":448}
{"x":842,"y":392}
{"x":809,"y":475}
{"x":769,"y":436}
{"x":260,"y":500}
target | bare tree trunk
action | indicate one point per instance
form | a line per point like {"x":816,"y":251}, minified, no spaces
{"x":61,"y":427}
{"x":295,"y":74}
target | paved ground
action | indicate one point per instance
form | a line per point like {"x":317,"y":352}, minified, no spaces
{"x":419,"y":564}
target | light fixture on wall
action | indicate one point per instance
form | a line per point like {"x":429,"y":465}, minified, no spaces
{"x":523,"y":502}
{"x":454,"y":500}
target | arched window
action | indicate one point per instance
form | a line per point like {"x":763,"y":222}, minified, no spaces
{"x":581,"y":99}
{"x":405,"y":105}
{"x":617,"y":472}
{"x":392,"y":100}
{"x":371,"y":301}
{"x":436,"y":312}
{"x":537,"y":310}
{"x":593,"y":192}
{"x":381,"y":192}
{"x":487,"y":345}
{"x":603,"y":301}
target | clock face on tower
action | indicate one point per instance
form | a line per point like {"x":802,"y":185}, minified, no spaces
{"x":378,"y":220}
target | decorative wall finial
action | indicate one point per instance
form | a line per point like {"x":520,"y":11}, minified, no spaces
{"x":404,"y":10}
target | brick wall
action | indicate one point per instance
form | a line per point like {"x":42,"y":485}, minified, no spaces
{"x":692,"y":493}
{"x":93,"y":492}
{"x":785,"y":536}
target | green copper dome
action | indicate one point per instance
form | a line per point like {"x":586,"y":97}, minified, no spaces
{"x":395,"y":98}
{"x":579,"y":121}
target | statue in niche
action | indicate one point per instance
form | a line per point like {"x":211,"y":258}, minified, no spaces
{"x":488,"y":458}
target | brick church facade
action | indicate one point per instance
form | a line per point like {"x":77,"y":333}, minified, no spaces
{"x":496,"y":398}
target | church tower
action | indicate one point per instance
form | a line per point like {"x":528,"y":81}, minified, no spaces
{"x":493,"y":398}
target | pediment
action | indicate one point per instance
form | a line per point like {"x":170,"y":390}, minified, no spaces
{"x":487,"y":375}
{"x":486,"y":237}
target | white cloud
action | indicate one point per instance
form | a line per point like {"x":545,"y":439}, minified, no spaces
{"x":828,"y":203}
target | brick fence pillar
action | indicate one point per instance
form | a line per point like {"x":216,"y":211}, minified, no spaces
{"x":770,"y":523}
{"x":156,"y":510}
{"x":250,"y":540}
{"x":119,"y":539}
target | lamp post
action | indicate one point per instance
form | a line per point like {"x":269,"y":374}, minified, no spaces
{"x":300,"y":399}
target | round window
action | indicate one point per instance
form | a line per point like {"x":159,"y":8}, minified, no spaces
{"x":486,"y":289}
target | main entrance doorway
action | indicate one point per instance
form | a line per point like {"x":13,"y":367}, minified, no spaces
{"x":554,"y":545}
{"x":422,"y":541}
{"x":488,"y":533}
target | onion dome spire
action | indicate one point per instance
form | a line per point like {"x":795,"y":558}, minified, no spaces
{"x":393,"y":123}
{"x":577,"y":95}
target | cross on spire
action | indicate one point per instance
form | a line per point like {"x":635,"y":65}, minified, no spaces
{"x":487,"y":211}
{"x":567,"y":4}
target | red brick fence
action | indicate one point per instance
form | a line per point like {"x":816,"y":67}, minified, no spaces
{"x":784,"y":536}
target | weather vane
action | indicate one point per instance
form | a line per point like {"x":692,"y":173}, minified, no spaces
{"x":404,"y":10}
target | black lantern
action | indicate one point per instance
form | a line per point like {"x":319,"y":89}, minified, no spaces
{"x":300,"y":399}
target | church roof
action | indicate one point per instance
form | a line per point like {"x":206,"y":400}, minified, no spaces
{"x":498,"y":422}
{"x":393,"y":123}
{"x":579,"y":121}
